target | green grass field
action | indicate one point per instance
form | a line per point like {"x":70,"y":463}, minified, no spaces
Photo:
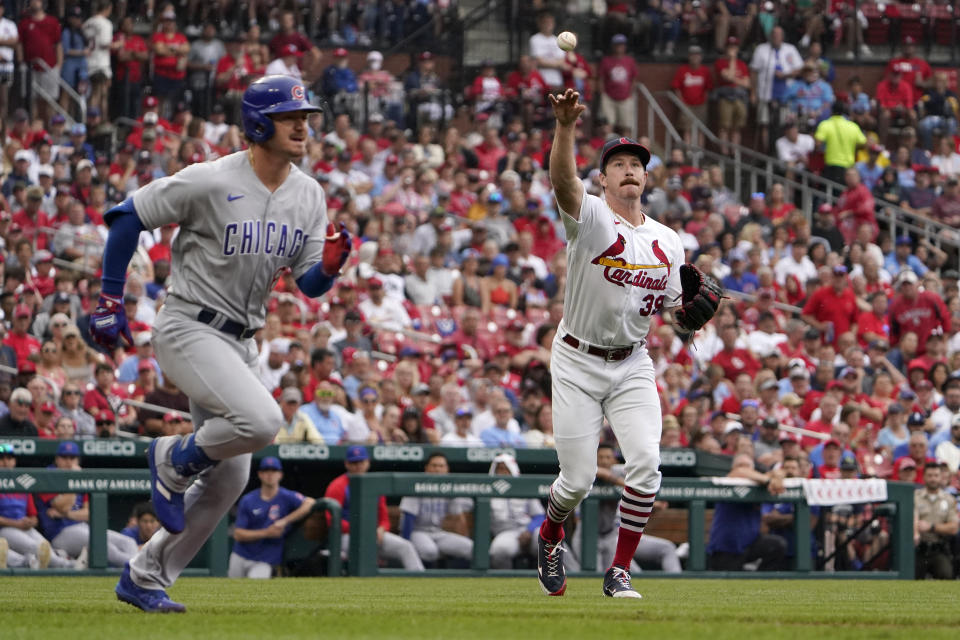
{"x":498,"y":608}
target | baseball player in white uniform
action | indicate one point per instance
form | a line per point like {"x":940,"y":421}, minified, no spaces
{"x":245,"y":220}
{"x":425,"y":520}
{"x":622,"y":267}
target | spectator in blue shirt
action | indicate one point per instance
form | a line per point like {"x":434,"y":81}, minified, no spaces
{"x":129,"y":369}
{"x":263,"y":518}
{"x":870,"y":171}
{"x":319,"y":412}
{"x":339,"y":77}
{"x":810,"y":97}
{"x":498,"y":435}
{"x":902,"y":258}
{"x":779,"y":517}
{"x":740,"y":279}
{"x":735,"y":538}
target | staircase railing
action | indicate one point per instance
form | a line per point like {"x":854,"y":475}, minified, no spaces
{"x":758,"y":170}
{"x":65,"y":87}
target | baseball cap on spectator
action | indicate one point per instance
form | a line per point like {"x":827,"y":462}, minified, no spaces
{"x":770,"y":423}
{"x":57,"y":118}
{"x":769,"y":384}
{"x":410,"y":352}
{"x":34,"y":192}
{"x":880,"y":345}
{"x":339,"y":52}
{"x":464,"y":411}
{"x":28,"y":366}
{"x":22,"y":396}
{"x":48,"y":407}
{"x":839,"y":270}
{"x":907,"y":276}
{"x":904,"y":240}
{"x":79,"y":129}
{"x":271,"y":463}
{"x":907,"y":394}
{"x":84,"y":164}
{"x":45,"y":171}
{"x":357,"y":453}
{"x":169,"y":14}
{"x":917,"y":363}
{"x":22,"y":311}
{"x":425,"y":55}
{"x":374,"y":117}
{"x":952,"y":379}
{"x":144,"y":157}
{"x":895,"y":407}
{"x":737,"y":255}
{"x":916,"y":419}
{"x":144,"y":365}
{"x":732,"y":426}
{"x":68,"y":449}
{"x":811,"y":334}
{"x":352,"y":316}
{"x":733,"y":41}
{"x":22,"y":155}
{"x":832,"y":442}
{"x":848,"y":371}
{"x":21,"y":115}
{"x":924,"y":385}
{"x":675,"y":183}
{"x":143,"y":339}
{"x":848,"y":463}
{"x":421,"y":389}
{"x":500,"y":261}
{"x":619,"y":39}
{"x":516,"y":325}
{"x":834,"y":385}
{"x":280,"y":345}
{"x":692,"y":49}
{"x":750,"y":402}
{"x":291,"y":394}
{"x":150,"y":118}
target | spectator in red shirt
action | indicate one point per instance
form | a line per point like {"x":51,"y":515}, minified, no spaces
{"x":24,"y":344}
{"x":692,"y":82}
{"x":307,"y":52}
{"x":915,"y":311}
{"x":734,"y":360}
{"x":39,"y":35}
{"x":32,"y":218}
{"x":830,"y":469}
{"x":527,"y":88}
{"x":617,"y":76}
{"x":467,"y":334}
{"x":915,"y":70}
{"x":130,"y":53}
{"x":170,"y":50}
{"x":832,"y":309}
{"x":895,"y":100}
{"x":233,"y":74}
{"x":490,"y":150}
{"x":855,"y":207}
{"x":733,"y":92}
{"x":873,"y":325}
{"x":162,"y":250}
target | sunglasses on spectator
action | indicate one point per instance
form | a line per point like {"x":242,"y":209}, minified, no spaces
{"x":72,"y":392}
{"x":24,"y":403}
{"x":58,"y":325}
{"x":366,"y":400}
{"x":100,"y":423}
{"x":49,"y":350}
{"x":325,"y":394}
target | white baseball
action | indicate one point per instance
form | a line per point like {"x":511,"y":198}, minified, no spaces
{"x":567,"y":41}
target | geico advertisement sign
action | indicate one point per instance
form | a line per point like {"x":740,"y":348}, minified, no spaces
{"x":402,"y":453}
{"x":304,"y":451}
{"x":119,"y":448}
{"x":484,"y":454}
{"x":21,"y":447}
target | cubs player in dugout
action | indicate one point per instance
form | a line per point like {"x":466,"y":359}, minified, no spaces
{"x":623,"y":267}
{"x":245,"y":220}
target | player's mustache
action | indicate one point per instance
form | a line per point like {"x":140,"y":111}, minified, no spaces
{"x":627,"y":181}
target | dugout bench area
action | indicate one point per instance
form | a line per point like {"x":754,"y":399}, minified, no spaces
{"x":107,"y":485}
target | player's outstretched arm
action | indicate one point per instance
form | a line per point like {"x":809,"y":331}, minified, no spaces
{"x":108,"y":322}
{"x":320,"y":277}
{"x":567,"y":187}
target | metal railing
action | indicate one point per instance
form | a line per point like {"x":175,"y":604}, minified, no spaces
{"x":66,"y":88}
{"x":752,"y":169}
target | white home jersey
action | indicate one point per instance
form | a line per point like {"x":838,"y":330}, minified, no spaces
{"x":618,"y":275}
{"x":235,"y":236}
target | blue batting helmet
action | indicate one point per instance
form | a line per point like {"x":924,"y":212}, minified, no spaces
{"x":271,"y":94}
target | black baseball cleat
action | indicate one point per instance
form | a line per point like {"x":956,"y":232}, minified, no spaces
{"x":616,"y":584}
{"x":550,"y":571}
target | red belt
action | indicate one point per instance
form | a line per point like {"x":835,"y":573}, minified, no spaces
{"x":614,"y":354}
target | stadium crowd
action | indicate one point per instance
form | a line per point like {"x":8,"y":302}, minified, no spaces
{"x":440,"y":330}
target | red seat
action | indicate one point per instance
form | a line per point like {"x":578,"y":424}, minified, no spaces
{"x":537,"y":316}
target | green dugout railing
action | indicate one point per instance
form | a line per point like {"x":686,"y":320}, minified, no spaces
{"x":102,"y":483}
{"x":131,"y":452}
{"x":366,"y":489}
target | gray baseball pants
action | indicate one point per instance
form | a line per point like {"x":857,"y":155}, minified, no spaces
{"x":25,"y":543}
{"x":433,"y":544}
{"x":74,"y":538}
{"x":233,"y":414}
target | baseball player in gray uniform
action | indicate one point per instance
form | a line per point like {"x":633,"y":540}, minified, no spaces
{"x":245,"y":220}
{"x":513,"y":521}
{"x":425,"y":521}
{"x":622,"y":268}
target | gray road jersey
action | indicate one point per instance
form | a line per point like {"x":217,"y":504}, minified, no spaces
{"x":235,"y":236}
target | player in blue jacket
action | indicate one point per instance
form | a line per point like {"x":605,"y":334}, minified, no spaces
{"x":263,"y":518}
{"x":245,"y":220}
